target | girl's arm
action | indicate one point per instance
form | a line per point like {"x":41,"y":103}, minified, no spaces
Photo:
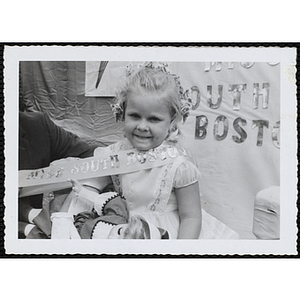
{"x":189,"y":207}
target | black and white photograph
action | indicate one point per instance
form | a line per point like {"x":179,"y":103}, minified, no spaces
{"x":195,"y":146}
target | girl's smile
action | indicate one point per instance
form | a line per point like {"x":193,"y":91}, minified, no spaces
{"x":147,"y":121}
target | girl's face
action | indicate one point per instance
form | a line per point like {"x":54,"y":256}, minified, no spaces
{"x":147,"y":121}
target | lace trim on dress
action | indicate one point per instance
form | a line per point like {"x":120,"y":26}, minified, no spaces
{"x":165,"y":185}
{"x":161,"y":194}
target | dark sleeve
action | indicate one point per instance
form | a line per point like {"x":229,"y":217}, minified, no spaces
{"x":66,"y":144}
{"x":34,"y":141}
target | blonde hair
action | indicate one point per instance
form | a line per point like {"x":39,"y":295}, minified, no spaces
{"x":137,"y":229}
{"x":153,"y":80}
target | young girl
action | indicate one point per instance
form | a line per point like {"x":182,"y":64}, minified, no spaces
{"x":168,"y":196}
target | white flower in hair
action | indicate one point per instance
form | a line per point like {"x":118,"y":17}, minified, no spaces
{"x":117,"y":111}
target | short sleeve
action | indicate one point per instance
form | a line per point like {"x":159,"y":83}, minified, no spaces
{"x":186,"y":174}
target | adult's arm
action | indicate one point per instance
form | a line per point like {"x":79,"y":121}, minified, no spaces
{"x":66,"y":144}
{"x":41,"y":142}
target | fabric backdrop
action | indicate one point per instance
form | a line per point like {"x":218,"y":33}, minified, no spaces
{"x":58,"y":88}
{"x":234,"y":172}
{"x":232,"y":130}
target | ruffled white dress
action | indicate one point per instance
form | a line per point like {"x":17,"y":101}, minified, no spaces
{"x":151,"y":192}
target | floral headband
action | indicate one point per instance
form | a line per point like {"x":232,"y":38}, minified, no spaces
{"x":185,"y":97}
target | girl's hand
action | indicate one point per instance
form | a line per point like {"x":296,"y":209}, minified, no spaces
{"x":76,"y":185}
